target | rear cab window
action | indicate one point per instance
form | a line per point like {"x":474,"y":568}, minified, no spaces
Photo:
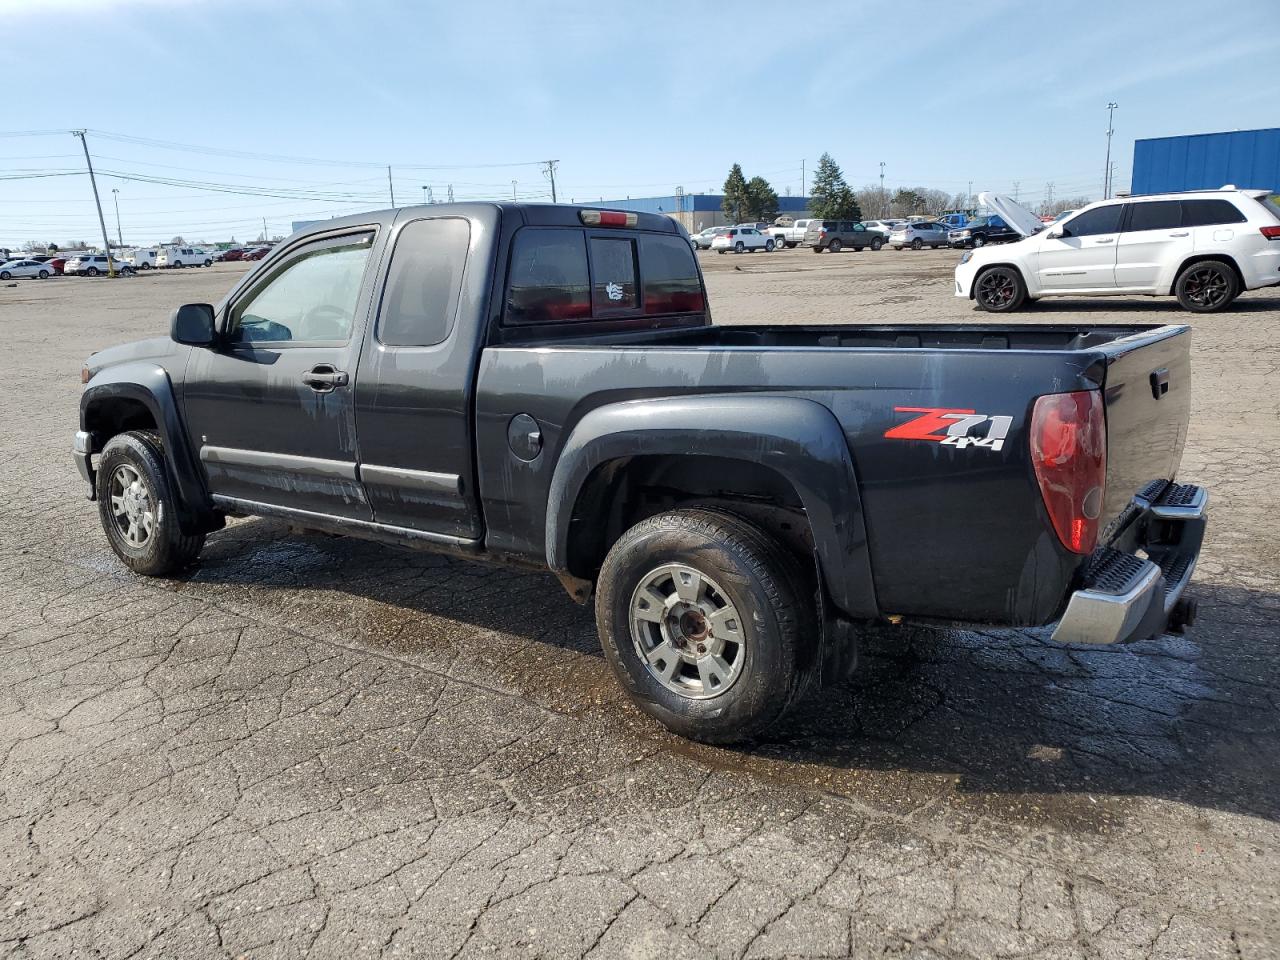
{"x":560,"y":275}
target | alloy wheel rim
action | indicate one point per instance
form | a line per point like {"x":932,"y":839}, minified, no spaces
{"x":1207,"y":287}
{"x":996,"y":290}
{"x":131,"y":506}
{"x":687,"y":632}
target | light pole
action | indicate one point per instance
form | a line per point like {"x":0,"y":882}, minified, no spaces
{"x":115,"y":195}
{"x":424,"y":193}
{"x":1106,"y":180}
{"x":513,"y":190}
{"x":884,"y":197}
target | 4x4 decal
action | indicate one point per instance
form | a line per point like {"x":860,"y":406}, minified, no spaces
{"x":955,"y":422}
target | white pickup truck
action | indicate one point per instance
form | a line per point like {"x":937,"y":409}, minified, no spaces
{"x":791,"y":236}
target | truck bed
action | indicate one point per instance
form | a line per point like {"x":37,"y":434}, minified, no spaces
{"x":969,"y":523}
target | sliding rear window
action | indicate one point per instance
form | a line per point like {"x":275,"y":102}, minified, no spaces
{"x":563,"y":275}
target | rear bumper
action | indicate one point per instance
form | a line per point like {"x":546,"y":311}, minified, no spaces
{"x":1129,"y":597}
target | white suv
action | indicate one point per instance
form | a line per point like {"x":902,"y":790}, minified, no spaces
{"x":742,"y":240}
{"x":1205,"y":247}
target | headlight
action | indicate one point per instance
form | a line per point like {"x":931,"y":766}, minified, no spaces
{"x":965,"y":233}
{"x":968,"y":255}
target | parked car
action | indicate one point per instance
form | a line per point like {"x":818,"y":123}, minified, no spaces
{"x":42,"y":257}
{"x":142,"y":259}
{"x":733,"y":539}
{"x":90,"y":265}
{"x":835,"y":235}
{"x":954,"y":221}
{"x":179,"y":257}
{"x":918,"y":235}
{"x":1204,"y":247}
{"x":702,"y":240}
{"x":980,"y":231}
{"x":790,"y":235}
{"x":57,"y":264}
{"x":256,"y":254}
{"x":742,"y":240}
{"x":17,"y":269}
{"x":1061,"y":216}
{"x":230,"y":256}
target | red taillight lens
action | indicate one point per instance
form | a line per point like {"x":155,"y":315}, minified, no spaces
{"x":607,"y":218}
{"x":1271,"y":233}
{"x":1069,"y":453}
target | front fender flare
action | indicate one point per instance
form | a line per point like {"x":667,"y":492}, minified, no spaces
{"x":149,"y":385}
{"x":797,"y":438}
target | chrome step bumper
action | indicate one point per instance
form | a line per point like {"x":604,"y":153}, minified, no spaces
{"x":1129,"y":597}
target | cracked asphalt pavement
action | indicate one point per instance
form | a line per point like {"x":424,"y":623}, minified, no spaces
{"x":323,"y":747}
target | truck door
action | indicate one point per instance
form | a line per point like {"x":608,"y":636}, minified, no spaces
{"x":270,"y":409}
{"x":414,"y":385}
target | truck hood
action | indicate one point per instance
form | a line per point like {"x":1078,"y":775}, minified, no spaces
{"x":153,"y":348}
{"x":1012,"y":213}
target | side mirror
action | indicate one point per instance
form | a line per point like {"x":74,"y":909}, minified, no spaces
{"x":1054,"y":235}
{"x":193,"y":325}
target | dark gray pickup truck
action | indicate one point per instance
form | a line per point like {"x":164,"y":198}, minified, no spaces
{"x":542,"y":385}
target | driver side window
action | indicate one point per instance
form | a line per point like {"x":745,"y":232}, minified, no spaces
{"x":312,"y":298}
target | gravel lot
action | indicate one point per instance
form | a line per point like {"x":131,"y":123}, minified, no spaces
{"x":316,"y":746}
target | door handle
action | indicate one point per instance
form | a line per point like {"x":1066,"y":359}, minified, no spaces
{"x":1182,"y":234}
{"x":323,"y":377}
{"x":1108,"y":240}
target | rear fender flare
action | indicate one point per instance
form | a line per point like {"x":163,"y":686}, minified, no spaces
{"x":149,"y":385}
{"x":799,"y":439}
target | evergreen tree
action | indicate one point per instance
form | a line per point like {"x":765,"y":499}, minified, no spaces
{"x":762,"y":199}
{"x":734,"y":203}
{"x":831,"y":197}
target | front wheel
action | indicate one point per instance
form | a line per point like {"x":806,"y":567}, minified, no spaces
{"x":1000,"y":290}
{"x":834,"y":246}
{"x":137,"y":508}
{"x":208,"y":263}
{"x":178,"y":264}
{"x":5,"y":275}
{"x":144,"y":266}
{"x":1207,"y":286}
{"x":877,"y":243}
{"x":44,"y":274}
{"x":91,"y":272}
{"x":708,"y":623}
{"x":979,"y":241}
{"x":769,"y":246}
{"x":917,"y":244}
{"x":739,"y":247}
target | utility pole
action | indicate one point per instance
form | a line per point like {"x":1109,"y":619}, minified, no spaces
{"x":115,"y":195}
{"x":451,"y":193}
{"x":106,"y":241}
{"x":802,"y":193}
{"x":884,"y":197}
{"x":513,"y":190}
{"x":424,"y":193}
{"x":265,"y":238}
{"x":1016,"y":185}
{"x":391,"y":186}
{"x":551,"y":175}
{"x":1106,"y":180}
{"x":970,"y":195}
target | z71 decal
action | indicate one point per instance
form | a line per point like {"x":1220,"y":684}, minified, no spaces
{"x":951,"y":426}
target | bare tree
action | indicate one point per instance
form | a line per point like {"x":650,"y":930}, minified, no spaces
{"x":873,"y":200}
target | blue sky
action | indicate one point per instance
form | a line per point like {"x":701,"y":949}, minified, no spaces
{"x":632,"y":99}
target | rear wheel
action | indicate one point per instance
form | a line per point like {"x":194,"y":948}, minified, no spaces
{"x":834,"y":245}
{"x":739,"y":247}
{"x":1207,"y":286}
{"x":897,"y":246}
{"x":5,"y":275}
{"x":144,"y":265}
{"x":137,"y":509}
{"x":708,"y":623}
{"x":917,"y":244}
{"x":91,"y":272}
{"x":178,"y":264}
{"x":44,"y":274}
{"x":1000,"y":290}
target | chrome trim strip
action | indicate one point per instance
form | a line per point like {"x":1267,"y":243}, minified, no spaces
{"x":1191,"y":511}
{"x":325,"y":521}
{"x":308,"y":466}
{"x":424,"y":480}
{"x":1094,"y":617}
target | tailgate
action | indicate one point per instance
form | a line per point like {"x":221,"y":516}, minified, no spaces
{"x":1148,"y":402}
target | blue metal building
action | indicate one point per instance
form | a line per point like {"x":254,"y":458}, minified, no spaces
{"x":1247,"y":158}
{"x":695,"y":210}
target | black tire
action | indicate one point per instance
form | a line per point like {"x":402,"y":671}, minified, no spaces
{"x":91,"y":272}
{"x":979,"y":240}
{"x":917,"y":244}
{"x":791,"y":244}
{"x":178,"y":265}
{"x":769,"y":246}
{"x":835,"y":245}
{"x":877,"y":243}
{"x":763,"y":582}
{"x":934,"y":246}
{"x":163,"y":549}
{"x":208,"y":263}
{"x":816,"y":249}
{"x":721,"y":251}
{"x":44,"y":274}
{"x":739,"y":247}
{"x":1206,"y":286}
{"x":897,"y":246}
{"x":144,"y":266}
{"x":5,"y":275}
{"x":999,"y":290}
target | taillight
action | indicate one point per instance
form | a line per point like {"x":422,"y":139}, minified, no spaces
{"x":1069,"y":453}
{"x":1271,"y":233}
{"x":607,"y":218}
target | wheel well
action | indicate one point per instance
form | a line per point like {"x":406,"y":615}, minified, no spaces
{"x":973,"y":287}
{"x":622,"y":492}
{"x":110,"y":417}
{"x":1219,"y":257}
